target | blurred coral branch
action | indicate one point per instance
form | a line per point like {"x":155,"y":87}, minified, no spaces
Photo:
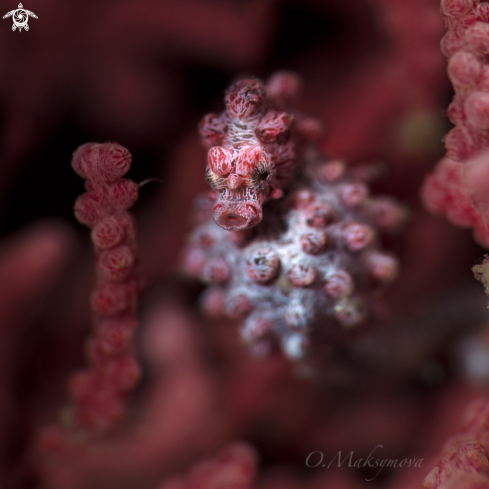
{"x":379,"y":364}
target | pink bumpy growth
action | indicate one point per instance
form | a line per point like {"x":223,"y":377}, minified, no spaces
{"x":466,"y":45}
{"x":444,"y":193}
{"x":314,"y":263}
{"x":234,"y":468}
{"x":466,"y":462}
{"x":252,"y":154}
{"x":97,"y":393}
{"x":451,"y":189}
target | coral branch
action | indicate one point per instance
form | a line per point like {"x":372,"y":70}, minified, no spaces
{"x":466,"y":45}
{"x":314,"y":261}
{"x":445,"y":193}
{"x":466,"y":463}
{"x":97,"y":394}
{"x":448,"y":190}
{"x":30,"y":263}
{"x":234,"y":467}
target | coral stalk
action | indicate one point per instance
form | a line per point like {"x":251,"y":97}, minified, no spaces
{"x":314,"y":259}
{"x":444,"y":193}
{"x":235,"y":467}
{"x":466,"y":461}
{"x":466,"y":45}
{"x":97,"y":393}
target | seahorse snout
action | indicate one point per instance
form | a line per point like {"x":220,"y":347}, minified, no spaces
{"x":234,"y":216}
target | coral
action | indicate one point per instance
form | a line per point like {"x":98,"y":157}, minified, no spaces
{"x":234,"y":467}
{"x":31,"y":263}
{"x":458,"y":189}
{"x":452,"y":189}
{"x":475,"y":178}
{"x":107,"y":78}
{"x":465,"y":458}
{"x":444,"y":192}
{"x":97,"y":394}
{"x":314,"y":244}
{"x":395,"y":91}
{"x":466,"y":44}
{"x":315,"y":258}
{"x":466,"y":463}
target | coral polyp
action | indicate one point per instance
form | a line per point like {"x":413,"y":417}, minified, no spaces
{"x":314,"y":261}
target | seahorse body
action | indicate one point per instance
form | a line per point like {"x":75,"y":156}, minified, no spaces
{"x":251,"y":154}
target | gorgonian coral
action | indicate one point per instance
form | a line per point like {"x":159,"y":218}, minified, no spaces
{"x":466,"y":461}
{"x":458,"y":188}
{"x":453,"y":188}
{"x":235,"y":467}
{"x":466,"y":45}
{"x":97,"y":393}
{"x":314,"y":260}
{"x":444,"y":193}
{"x":313,"y":263}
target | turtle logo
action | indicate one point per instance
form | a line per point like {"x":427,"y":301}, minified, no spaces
{"x":20,"y":16}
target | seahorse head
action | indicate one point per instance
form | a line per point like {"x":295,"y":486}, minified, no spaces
{"x":241,"y":180}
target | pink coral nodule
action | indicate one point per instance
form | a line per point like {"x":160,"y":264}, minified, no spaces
{"x":102,"y":162}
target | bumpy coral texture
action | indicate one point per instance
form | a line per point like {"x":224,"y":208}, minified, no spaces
{"x":312,"y":264}
{"x":97,"y":393}
{"x":466,"y":463}
{"x":375,"y":78}
{"x":444,"y":193}
{"x":458,"y":189}
{"x":234,"y":467}
{"x":466,"y":45}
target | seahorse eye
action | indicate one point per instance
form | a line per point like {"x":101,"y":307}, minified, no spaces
{"x":262,"y":175}
{"x":215,"y":181}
